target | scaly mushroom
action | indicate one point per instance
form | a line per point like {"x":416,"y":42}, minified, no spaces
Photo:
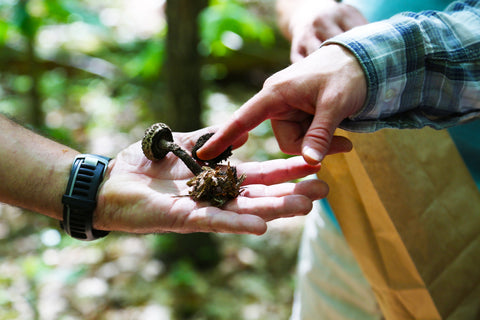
{"x":215,"y":184}
{"x":158,"y":142}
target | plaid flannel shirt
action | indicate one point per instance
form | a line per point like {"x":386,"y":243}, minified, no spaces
{"x":423,"y":69}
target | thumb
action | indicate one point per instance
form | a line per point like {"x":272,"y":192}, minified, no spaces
{"x":317,"y":140}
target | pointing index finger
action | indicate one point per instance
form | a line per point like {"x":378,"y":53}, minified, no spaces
{"x":250,"y":115}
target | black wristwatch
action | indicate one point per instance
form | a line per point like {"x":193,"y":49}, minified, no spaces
{"x":80,"y":198}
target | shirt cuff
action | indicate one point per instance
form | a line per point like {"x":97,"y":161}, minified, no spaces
{"x":393,"y":61}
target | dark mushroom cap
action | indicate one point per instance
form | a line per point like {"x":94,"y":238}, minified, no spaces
{"x":210,"y":162}
{"x":150,"y":143}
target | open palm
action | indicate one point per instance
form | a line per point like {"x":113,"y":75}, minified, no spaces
{"x":142,"y":196}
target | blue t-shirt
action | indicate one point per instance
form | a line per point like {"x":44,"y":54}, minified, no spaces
{"x":375,"y":10}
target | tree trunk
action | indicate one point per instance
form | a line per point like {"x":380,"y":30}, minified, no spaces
{"x":28,"y":29}
{"x":37,"y":116}
{"x":183,"y":82}
{"x":183,"y":65}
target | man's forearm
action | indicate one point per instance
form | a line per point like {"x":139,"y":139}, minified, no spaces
{"x":34,"y":170}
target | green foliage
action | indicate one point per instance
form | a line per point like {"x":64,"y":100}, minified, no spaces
{"x":3,"y":32}
{"x":67,"y":11}
{"x":24,"y":21}
{"x":97,"y":82}
{"x":148,"y":61}
{"x":226,"y":24}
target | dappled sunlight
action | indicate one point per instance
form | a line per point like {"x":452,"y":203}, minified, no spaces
{"x":96,"y":83}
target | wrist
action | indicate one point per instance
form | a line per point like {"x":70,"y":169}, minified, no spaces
{"x":61,"y":169}
{"x":354,"y":77}
{"x":100,"y":220}
{"x":80,"y":198}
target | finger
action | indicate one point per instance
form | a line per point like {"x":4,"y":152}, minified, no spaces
{"x":297,"y":53}
{"x":327,"y":31}
{"x":351,"y":18}
{"x":250,"y":115}
{"x":269,"y":208}
{"x":313,"y":189}
{"x":302,"y":47}
{"x":211,"y":219}
{"x":276,"y":171}
{"x":188,"y":139}
{"x":314,"y":43}
{"x":240,"y":141}
{"x":317,"y":140}
{"x":289,"y":134}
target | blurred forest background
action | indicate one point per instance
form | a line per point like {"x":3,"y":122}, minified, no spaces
{"x":94,"y":74}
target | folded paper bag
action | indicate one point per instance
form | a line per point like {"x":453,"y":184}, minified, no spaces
{"x":411,"y":214}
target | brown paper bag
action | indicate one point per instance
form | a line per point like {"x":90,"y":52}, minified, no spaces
{"x":411,"y":214}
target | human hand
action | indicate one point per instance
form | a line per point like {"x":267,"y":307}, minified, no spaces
{"x":315,"y":21}
{"x":305,"y":102}
{"x":141,"y":196}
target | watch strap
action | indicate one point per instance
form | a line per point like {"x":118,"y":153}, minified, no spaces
{"x":80,"y":198}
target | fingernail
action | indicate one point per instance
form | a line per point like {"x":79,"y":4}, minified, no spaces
{"x":200,"y":153}
{"x":311,"y":154}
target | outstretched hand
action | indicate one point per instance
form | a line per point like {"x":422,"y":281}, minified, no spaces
{"x":141,"y":196}
{"x":305,"y":103}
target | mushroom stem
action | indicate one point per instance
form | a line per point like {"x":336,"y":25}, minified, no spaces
{"x":184,"y":156}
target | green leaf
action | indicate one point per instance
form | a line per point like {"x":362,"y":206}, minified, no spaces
{"x":70,"y":11}
{"x":4,"y":27}
{"x":148,"y":62}
{"x":223,"y":16}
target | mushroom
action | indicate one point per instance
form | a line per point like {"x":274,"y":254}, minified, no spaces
{"x":215,"y":184}
{"x":212,"y":163}
{"x":158,"y":142}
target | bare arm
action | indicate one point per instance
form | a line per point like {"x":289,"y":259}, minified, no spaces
{"x":141,"y":196}
{"x":34,"y":170}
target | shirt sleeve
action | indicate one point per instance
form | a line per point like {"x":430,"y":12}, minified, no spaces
{"x":422,"y":69}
